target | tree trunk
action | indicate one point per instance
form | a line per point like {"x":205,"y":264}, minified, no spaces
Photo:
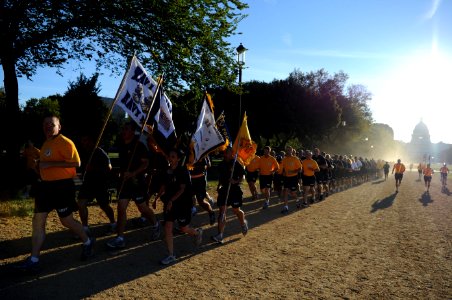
{"x":9,"y":175}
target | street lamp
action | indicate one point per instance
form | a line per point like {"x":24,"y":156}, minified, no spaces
{"x":240,"y":63}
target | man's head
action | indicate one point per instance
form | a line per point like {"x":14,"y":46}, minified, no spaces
{"x":399,"y":161}
{"x":51,"y":126}
{"x":128,"y":131}
{"x":267,"y":150}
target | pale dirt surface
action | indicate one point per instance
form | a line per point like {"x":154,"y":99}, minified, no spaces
{"x":363,"y":243}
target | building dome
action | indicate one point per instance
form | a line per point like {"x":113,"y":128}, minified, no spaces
{"x":420,"y":134}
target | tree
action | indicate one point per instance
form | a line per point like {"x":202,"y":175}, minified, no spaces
{"x":33,"y":114}
{"x":185,"y":40}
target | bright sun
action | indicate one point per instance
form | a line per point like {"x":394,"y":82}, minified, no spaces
{"x":419,"y":88}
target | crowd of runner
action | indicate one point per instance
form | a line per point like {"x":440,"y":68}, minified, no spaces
{"x":147,"y":176}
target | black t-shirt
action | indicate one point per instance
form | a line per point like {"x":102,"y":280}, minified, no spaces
{"x":173,"y":180}
{"x":127,"y":156}
{"x":225,"y":168}
{"x":98,"y":168}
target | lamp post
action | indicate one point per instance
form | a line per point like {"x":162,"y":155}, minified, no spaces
{"x":240,"y":63}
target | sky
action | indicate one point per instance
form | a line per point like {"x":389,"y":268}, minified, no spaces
{"x":400,"y":50}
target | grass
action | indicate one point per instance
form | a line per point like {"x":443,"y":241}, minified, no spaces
{"x":16,"y":208}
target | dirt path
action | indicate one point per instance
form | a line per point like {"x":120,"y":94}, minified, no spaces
{"x":365,"y":242}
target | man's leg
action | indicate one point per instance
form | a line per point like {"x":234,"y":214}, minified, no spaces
{"x":83,"y":211}
{"x":122,"y":216}
{"x":38,"y":233}
{"x":70,"y":223}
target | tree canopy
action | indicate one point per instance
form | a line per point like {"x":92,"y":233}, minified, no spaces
{"x":185,"y":40}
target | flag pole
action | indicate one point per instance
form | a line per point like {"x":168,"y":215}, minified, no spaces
{"x":107,"y":117}
{"x":159,"y":83}
{"x":223,"y":216}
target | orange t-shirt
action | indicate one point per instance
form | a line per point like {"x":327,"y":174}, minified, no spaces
{"x":428,"y":171}
{"x":253,"y":165}
{"x":398,"y":168}
{"x":309,"y":167}
{"x":268,"y":165}
{"x":290,"y":165}
{"x":59,"y":148}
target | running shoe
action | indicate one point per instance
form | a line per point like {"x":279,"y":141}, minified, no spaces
{"x":217,"y":238}
{"x":266,"y":204}
{"x":245,"y":228}
{"x":28,"y":266}
{"x":285,"y":210}
{"x":116,"y":243}
{"x":198,"y":238}
{"x":156,"y":231}
{"x":87,"y":250}
{"x":298,"y":203}
{"x":168,"y":260}
{"x":212,"y":218}
{"x":194,"y":211}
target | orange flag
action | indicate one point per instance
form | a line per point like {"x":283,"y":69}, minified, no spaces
{"x":244,"y":146}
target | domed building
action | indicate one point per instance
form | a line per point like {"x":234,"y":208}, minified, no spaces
{"x":421,"y":148}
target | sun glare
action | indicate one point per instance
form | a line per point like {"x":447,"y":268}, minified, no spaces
{"x":419,"y":88}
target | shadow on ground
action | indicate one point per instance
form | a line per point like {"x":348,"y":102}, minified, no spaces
{"x":383,"y":203}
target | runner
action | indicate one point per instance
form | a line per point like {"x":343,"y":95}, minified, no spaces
{"x":199,"y":186}
{"x":95,"y":183}
{"x":290,"y":166}
{"x":226,"y":183}
{"x":420,"y":167}
{"x":444,"y":171}
{"x":399,"y":168}
{"x":134,"y":161}
{"x":252,"y":175}
{"x":428,"y":172}
{"x":176,"y":197}
{"x":386,"y":167}
{"x":310,"y":166}
{"x":58,"y":162}
{"x":268,"y":165}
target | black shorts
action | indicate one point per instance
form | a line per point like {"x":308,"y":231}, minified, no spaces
{"x":58,"y":194}
{"x":91,"y":190}
{"x":234,"y":199}
{"x":291,"y":183}
{"x":308,"y":180}
{"x":265,"y":181}
{"x":277,"y":181}
{"x":398,"y":176}
{"x":251,"y":176}
{"x":133,"y":189}
{"x":199,"y":187}
{"x":427,"y":178}
{"x":180,"y":212}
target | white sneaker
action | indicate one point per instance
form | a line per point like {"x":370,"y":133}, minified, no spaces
{"x":198,"y":237}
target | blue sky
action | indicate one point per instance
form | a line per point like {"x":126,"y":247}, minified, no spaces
{"x":401,"y":50}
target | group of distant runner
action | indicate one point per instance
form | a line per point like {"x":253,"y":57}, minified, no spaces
{"x":147,"y":176}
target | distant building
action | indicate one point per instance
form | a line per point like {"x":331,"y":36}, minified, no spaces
{"x":420,"y":148}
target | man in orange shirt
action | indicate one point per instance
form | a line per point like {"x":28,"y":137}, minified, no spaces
{"x":58,"y":162}
{"x":428,"y":173}
{"x":399,"y":168}
{"x":290,"y":166}
{"x":251,"y":176}
{"x":310,"y":167}
{"x":267,"y":167}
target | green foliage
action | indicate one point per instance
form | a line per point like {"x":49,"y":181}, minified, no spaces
{"x":33,"y":114}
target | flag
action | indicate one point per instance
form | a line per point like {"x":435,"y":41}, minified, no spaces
{"x":244,"y":147}
{"x":163,"y":132}
{"x":135,"y":98}
{"x":223,"y":128}
{"x":206,"y":137}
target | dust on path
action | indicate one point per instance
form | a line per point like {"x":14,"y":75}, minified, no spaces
{"x":365,"y":242}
